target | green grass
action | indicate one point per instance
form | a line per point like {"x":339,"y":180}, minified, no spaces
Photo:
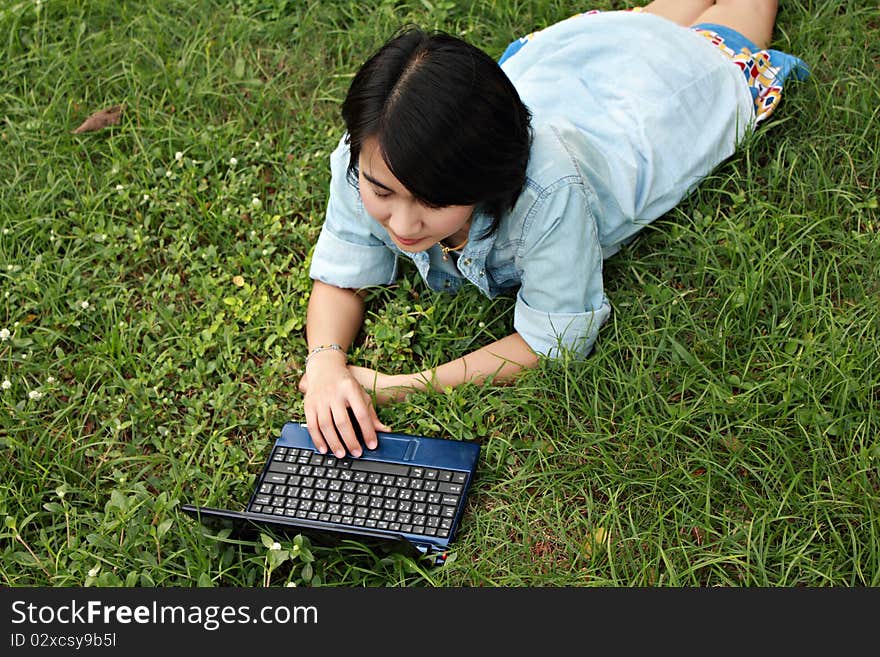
{"x":724,"y":432}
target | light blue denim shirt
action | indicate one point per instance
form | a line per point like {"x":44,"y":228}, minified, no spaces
{"x":630,"y":112}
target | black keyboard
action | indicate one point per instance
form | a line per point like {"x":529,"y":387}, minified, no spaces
{"x":409,"y":499}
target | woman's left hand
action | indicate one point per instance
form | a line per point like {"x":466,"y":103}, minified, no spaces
{"x":386,"y":388}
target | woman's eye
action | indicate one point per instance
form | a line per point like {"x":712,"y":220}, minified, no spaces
{"x":381,"y":193}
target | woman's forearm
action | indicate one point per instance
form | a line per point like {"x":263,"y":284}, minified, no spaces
{"x":501,"y":360}
{"x":334,"y":316}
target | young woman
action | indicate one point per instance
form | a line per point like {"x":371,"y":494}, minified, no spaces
{"x":521,"y":176}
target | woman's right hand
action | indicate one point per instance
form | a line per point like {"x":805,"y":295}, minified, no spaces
{"x":332,"y":398}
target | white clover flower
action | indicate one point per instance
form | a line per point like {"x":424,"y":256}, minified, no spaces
{"x":35,"y":395}
{"x":256,"y":202}
{"x":168,"y":173}
{"x":6,"y":231}
{"x":4,"y":334}
{"x":6,"y":385}
{"x":51,"y":380}
{"x":275,"y":546}
{"x":119,"y":188}
{"x":84,"y":305}
{"x":146,"y":197}
{"x":233,"y":161}
{"x":178,"y":156}
{"x":93,"y":572}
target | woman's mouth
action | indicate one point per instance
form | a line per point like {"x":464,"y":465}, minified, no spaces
{"x":405,"y":242}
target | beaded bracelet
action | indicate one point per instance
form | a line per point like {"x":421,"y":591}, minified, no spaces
{"x":325,"y":347}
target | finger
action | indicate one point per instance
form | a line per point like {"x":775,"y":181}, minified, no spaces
{"x":328,"y":428}
{"x":381,"y":426}
{"x":378,"y":425}
{"x":315,"y":432}
{"x":364,"y":415}
{"x":303,"y":384}
{"x":346,"y":431}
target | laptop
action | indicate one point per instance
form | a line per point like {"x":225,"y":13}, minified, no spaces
{"x":407,"y":495}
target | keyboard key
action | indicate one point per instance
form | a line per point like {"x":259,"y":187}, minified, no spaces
{"x":380,"y":468}
{"x":286,"y":468}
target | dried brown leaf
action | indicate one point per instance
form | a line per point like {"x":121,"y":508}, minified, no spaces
{"x":101,"y":119}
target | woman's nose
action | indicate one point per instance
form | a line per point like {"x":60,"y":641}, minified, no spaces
{"x":404,"y":222}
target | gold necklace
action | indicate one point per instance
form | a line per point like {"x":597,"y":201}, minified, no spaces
{"x":449,"y":249}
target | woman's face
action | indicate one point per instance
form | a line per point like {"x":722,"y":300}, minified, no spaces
{"x":412,"y":225}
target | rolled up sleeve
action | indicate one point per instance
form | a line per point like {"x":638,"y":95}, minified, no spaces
{"x":561,"y":303}
{"x":347,"y":253}
{"x":549,"y":333}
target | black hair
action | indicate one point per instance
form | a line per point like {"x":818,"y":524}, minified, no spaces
{"x":449,"y":122}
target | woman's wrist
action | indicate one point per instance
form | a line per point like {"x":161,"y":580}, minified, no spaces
{"x":326,"y":354}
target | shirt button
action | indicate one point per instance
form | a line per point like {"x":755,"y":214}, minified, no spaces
{"x":467,"y":261}
{"x":482,"y":272}
{"x":445,"y":283}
